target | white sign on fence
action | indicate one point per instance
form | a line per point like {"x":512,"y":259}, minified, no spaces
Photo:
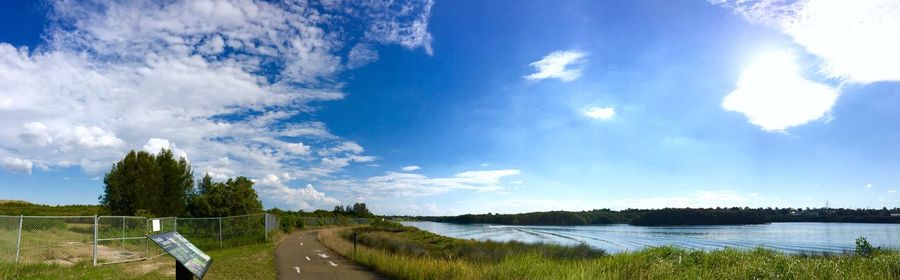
{"x":155,"y":225}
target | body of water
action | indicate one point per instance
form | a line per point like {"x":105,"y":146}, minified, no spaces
{"x":786,"y":237}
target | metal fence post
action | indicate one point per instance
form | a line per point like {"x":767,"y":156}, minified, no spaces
{"x":266,"y":227}
{"x":19,"y":238}
{"x":220,"y":231}
{"x":96,"y":225}
{"x":147,"y":228}
{"x":122,"y":243}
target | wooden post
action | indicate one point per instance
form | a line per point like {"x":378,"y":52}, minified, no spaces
{"x":354,"y":244}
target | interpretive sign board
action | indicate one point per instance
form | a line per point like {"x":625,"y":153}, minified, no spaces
{"x":184,"y":252}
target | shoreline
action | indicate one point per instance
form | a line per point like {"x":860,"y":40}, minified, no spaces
{"x":408,"y":253}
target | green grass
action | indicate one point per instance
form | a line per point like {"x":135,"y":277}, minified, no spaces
{"x":654,"y":263}
{"x":244,"y":262}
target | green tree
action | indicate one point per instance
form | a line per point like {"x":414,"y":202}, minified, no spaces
{"x":158,"y":184}
{"x":360,"y":210}
{"x":177,"y":184}
{"x":216,"y":199}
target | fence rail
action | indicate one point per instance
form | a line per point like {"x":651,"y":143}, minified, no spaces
{"x":115,"y":239}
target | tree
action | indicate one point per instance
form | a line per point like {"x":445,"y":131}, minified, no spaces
{"x":359,"y":210}
{"x":177,"y":184}
{"x":231,"y":198}
{"x":157,"y":184}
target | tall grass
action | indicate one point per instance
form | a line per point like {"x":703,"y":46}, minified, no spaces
{"x":654,"y":263}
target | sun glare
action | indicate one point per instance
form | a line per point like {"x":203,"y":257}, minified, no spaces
{"x":773,"y":95}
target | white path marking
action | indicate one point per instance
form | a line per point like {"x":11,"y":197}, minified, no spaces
{"x":301,"y":243}
{"x":332,"y":263}
{"x":307,"y":258}
{"x":324,"y":256}
{"x":297,"y":268}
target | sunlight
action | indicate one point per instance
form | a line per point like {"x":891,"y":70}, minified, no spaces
{"x":772,"y":94}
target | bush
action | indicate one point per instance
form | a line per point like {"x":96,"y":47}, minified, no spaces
{"x":298,"y":222}
{"x":863,"y":248}
{"x":287,"y":223}
{"x":290,"y":222}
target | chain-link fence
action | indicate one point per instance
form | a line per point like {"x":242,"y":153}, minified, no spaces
{"x":55,"y":239}
{"x":114,"y":239}
{"x":9,"y":237}
{"x":121,"y":239}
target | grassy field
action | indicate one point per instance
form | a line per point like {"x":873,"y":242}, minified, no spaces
{"x":409,"y":253}
{"x":244,"y":262}
{"x":18,"y":207}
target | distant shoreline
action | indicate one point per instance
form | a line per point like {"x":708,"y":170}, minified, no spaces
{"x":675,"y":217}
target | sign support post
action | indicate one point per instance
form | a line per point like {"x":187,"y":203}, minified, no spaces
{"x":182,"y":273}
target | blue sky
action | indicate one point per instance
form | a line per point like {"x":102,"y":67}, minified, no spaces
{"x":454,"y":107}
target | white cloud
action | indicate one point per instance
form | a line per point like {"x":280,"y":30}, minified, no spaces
{"x":397,"y":184}
{"x":296,"y":148}
{"x":411,"y":168}
{"x":217,"y":77}
{"x":857,"y":40}
{"x":600,"y":113}
{"x":868,"y":186}
{"x":892,"y":191}
{"x":557,"y":65}
{"x":16,"y":164}
{"x":344,"y":147}
{"x":155,"y":145}
{"x":307,"y":198}
{"x":773,"y":96}
{"x":407,"y":26}
{"x":361,"y":54}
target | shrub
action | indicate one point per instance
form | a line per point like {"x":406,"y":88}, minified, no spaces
{"x":287,"y":223}
{"x":863,"y":248}
{"x":298,"y":222}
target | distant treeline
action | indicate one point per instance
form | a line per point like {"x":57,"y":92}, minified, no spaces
{"x":679,"y":216}
{"x":15,"y":208}
{"x":290,"y":220}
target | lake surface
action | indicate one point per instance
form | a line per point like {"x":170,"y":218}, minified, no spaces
{"x":786,"y":237}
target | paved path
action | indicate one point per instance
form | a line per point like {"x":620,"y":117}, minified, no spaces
{"x":301,"y":256}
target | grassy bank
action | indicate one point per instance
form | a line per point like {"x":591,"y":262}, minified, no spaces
{"x":409,"y":253}
{"x":243,"y":262}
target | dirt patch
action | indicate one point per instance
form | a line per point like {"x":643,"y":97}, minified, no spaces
{"x":113,"y":254}
{"x":145,"y":267}
{"x":60,"y":262}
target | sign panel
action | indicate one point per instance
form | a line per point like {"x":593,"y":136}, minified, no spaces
{"x":184,"y":252}
{"x":155,"y":225}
